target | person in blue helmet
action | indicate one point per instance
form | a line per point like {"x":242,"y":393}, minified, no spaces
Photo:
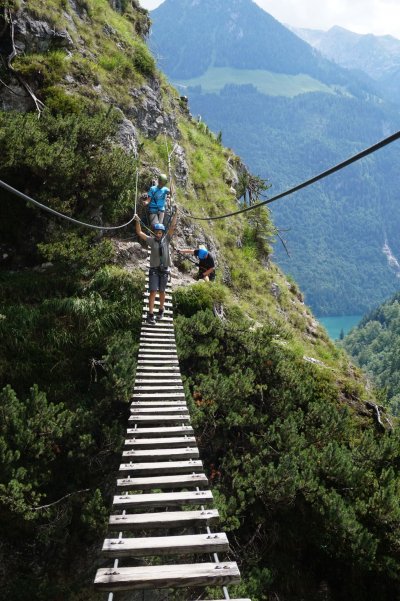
{"x":160,"y":263}
{"x":157,"y":200}
{"x":206,"y":262}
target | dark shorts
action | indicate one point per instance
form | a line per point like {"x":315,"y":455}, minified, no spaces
{"x":158,"y":279}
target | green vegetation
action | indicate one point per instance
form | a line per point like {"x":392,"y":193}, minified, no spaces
{"x":375,"y":345}
{"x":290,"y":460}
{"x":266,"y":82}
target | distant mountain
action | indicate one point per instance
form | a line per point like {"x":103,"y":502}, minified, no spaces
{"x":377,"y":56}
{"x":232,"y":33}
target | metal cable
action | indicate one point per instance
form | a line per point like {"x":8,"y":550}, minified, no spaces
{"x":58,"y":214}
{"x":338,"y":167}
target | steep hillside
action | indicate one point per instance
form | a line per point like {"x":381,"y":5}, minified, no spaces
{"x":302,"y":474}
{"x":289,"y":123}
{"x":375,"y":346}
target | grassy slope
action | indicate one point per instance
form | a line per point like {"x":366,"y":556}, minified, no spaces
{"x":266,"y":82}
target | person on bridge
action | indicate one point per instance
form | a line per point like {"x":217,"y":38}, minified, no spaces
{"x":206,"y":262}
{"x":157,"y":199}
{"x":160,"y":263}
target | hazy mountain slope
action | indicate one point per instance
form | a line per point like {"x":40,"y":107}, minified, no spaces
{"x":377,"y":56}
{"x":337,"y":230}
{"x":190,"y":37}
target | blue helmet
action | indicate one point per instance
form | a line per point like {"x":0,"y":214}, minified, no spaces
{"x":159,"y":226}
{"x":203,"y":252}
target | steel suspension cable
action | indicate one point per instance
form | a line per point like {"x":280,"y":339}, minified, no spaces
{"x":58,"y":214}
{"x":313,"y":180}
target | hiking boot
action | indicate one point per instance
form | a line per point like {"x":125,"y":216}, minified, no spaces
{"x":150,"y":319}
{"x":160,"y":314}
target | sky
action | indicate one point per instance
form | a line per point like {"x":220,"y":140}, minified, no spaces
{"x":380,"y":17}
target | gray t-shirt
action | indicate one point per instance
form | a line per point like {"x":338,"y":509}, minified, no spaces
{"x":159,"y":256}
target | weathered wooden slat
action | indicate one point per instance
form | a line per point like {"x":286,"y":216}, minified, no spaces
{"x":157,"y":347}
{"x":166,"y":576}
{"x":165,"y":545}
{"x":167,"y":315}
{"x":159,"y":468}
{"x":157,"y":302}
{"x":163,"y":520}
{"x":149,"y":373}
{"x":163,"y":482}
{"x":160,"y":454}
{"x":160,"y":410}
{"x":159,"y":419}
{"x":159,"y":443}
{"x":151,"y":332}
{"x":164,"y":499}
{"x":170,"y":351}
{"x":162,"y":380}
{"x":167,"y":361}
{"x":158,"y":327}
{"x":155,"y":403}
{"x":141,"y":369}
{"x":160,"y":431}
{"x":158,"y":391}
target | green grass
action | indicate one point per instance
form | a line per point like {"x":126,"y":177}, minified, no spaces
{"x":266,"y":82}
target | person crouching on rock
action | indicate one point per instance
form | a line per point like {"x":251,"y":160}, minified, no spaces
{"x":157,"y":199}
{"x":206,"y":262}
{"x":160,"y":263}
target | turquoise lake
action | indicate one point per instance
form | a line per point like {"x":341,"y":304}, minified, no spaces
{"x":334,"y":325}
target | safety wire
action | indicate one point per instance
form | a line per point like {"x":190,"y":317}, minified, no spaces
{"x":62,"y":215}
{"x":313,"y":180}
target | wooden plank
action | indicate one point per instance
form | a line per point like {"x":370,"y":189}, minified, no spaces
{"x":143,"y":389}
{"x":162,"y":409}
{"x":157,"y":302}
{"x":163,"y":499}
{"x":160,"y":454}
{"x":162,"y":482}
{"x":166,"y":545}
{"x":151,"y":359}
{"x":159,"y":419}
{"x":160,"y":431}
{"x":163,"y":519}
{"x":158,"y":399}
{"x":159,"y":468}
{"x":160,"y":368}
{"x":156,"y":403}
{"x":159,"y":443}
{"x":159,"y":327}
{"x":161,"y":344}
{"x":166,"y":576}
{"x":157,"y":351}
{"x":162,"y":380}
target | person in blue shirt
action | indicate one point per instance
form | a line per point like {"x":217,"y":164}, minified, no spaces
{"x":206,"y":262}
{"x":157,"y":199}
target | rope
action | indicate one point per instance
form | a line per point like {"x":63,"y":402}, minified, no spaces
{"x":308,"y":182}
{"x":58,"y":214}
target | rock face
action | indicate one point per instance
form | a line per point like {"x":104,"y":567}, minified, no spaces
{"x":148,"y":112}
